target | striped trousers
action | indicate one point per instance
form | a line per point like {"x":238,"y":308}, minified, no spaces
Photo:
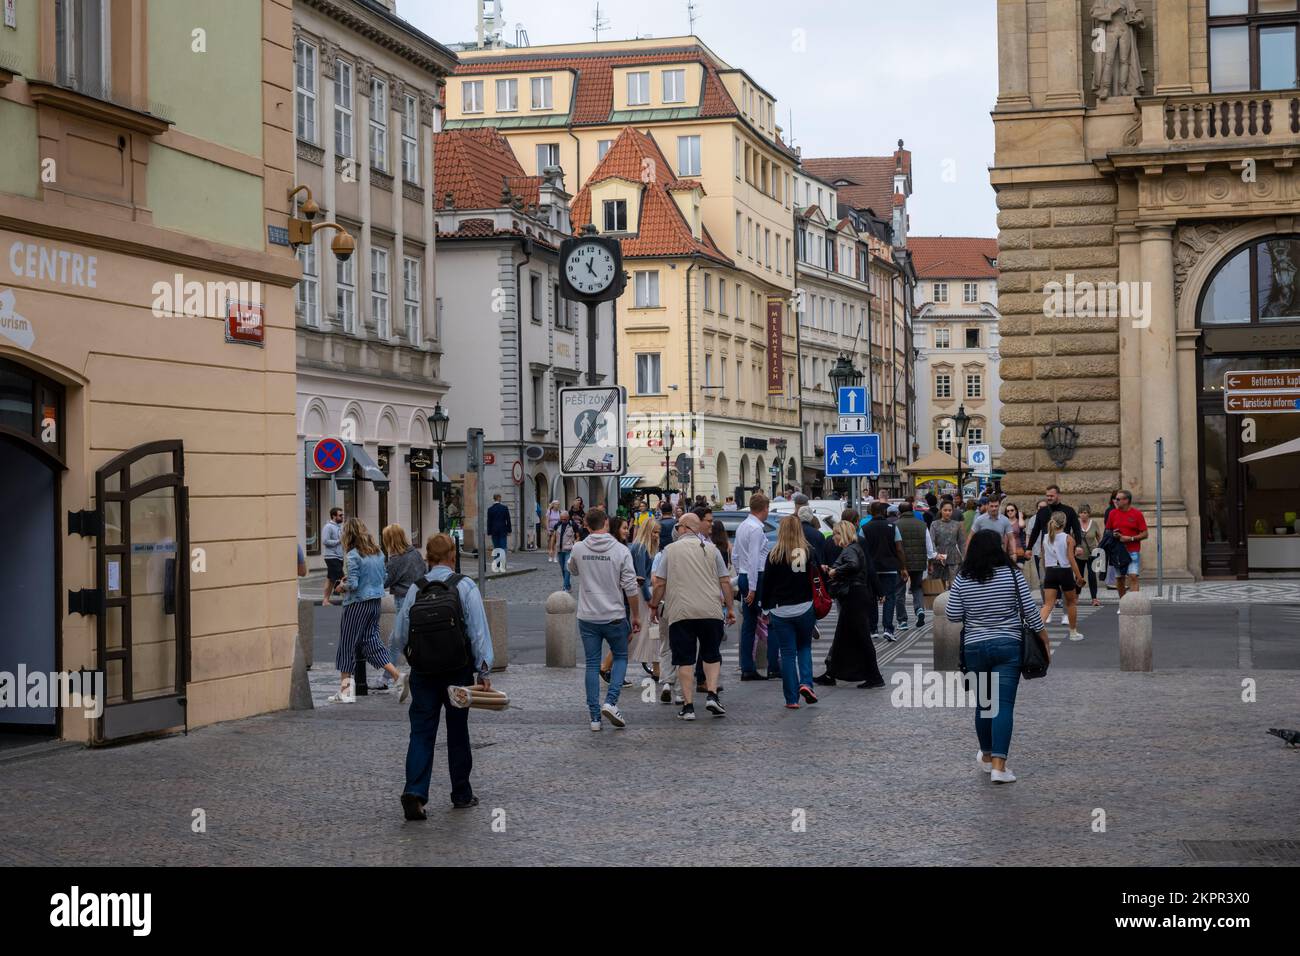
{"x":360,"y":630}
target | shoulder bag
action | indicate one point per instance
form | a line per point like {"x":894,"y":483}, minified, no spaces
{"x":821,"y":595}
{"x":1033,"y":656}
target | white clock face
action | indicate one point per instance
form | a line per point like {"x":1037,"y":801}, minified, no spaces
{"x":590,"y":268}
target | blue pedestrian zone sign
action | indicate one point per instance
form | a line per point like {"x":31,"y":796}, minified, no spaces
{"x":852,"y":456}
{"x":853,"y":400}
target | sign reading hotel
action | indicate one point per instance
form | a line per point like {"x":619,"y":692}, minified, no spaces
{"x":1262,"y":392}
{"x":775,"y":347}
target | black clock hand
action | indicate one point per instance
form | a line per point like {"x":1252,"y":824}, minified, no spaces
{"x":590,"y":268}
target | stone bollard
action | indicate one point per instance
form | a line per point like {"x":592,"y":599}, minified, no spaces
{"x":307,"y":628}
{"x":561,"y":630}
{"x":946,"y":637}
{"x":1135,"y":632}
{"x":299,"y":682}
{"x":499,"y":625}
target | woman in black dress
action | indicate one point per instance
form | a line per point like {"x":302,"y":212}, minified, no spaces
{"x":853,"y":656}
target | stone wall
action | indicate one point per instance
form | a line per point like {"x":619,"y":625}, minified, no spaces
{"x":1063,"y":367}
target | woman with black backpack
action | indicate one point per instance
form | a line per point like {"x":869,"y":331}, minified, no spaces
{"x":853,"y":656}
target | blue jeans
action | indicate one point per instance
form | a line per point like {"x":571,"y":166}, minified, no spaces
{"x":499,"y":541}
{"x":913,"y":583}
{"x":1001,"y":657}
{"x":594,"y":635}
{"x":563,"y":558}
{"x":749,"y":615}
{"x":428,"y":699}
{"x":794,"y":635}
{"x":889,"y":584}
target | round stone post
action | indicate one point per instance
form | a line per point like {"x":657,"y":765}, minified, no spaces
{"x":307,"y":629}
{"x":561,"y":630}
{"x":499,"y":625}
{"x":947,"y":637}
{"x":1135,"y":632}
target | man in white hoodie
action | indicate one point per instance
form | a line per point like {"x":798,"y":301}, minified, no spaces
{"x":607,"y":601}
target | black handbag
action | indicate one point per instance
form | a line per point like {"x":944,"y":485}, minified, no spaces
{"x":1033,"y":657}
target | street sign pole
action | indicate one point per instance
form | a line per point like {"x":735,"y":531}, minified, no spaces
{"x":474,"y":449}
{"x":1160,"y":525}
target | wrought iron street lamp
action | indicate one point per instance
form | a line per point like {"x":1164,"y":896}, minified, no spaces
{"x":668,"y":450}
{"x":778,"y":468}
{"x":438,"y":422}
{"x":961,"y":421}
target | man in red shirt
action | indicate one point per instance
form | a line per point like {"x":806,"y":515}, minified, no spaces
{"x":1131,"y":529}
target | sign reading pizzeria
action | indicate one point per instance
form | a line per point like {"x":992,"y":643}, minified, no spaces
{"x":1262,"y":392}
{"x":244,"y":323}
{"x":775,"y":347}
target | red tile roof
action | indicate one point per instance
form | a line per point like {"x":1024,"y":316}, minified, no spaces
{"x":953,"y":257}
{"x":863,"y":182}
{"x":662,"y":229}
{"x":595,"y":78}
{"x":473,"y":165}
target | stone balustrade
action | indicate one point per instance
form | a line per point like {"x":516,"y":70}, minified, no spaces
{"x":1220,"y":119}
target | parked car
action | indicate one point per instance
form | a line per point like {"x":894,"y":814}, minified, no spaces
{"x":731,"y":521}
{"x":828,"y":510}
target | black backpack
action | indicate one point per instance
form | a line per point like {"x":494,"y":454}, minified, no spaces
{"x":438,"y":639}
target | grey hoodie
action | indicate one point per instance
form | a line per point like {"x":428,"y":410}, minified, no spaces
{"x":605,"y":574}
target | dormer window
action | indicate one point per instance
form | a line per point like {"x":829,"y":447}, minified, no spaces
{"x":638,"y":89}
{"x":674,"y":86}
{"x":615,"y":215}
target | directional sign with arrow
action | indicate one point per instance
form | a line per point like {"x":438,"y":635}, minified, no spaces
{"x":1261,"y":392}
{"x":853,"y":400}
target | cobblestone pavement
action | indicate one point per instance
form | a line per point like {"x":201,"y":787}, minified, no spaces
{"x":1168,"y":757}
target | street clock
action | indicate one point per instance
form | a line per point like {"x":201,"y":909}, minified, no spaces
{"x":591,"y":268}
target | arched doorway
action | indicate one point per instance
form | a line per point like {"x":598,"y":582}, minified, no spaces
{"x":31,"y":463}
{"x":724,"y":477}
{"x":1249,"y":318}
{"x":744,"y":471}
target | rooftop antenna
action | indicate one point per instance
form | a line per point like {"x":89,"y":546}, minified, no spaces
{"x":600,"y":23}
{"x":692,"y":14}
{"x":491,"y":23}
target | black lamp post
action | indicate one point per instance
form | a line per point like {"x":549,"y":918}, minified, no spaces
{"x":962,"y":422}
{"x":668,"y":450}
{"x":843,"y":375}
{"x":438,"y":422}
{"x":778,"y":468}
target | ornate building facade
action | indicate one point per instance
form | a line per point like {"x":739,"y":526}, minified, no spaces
{"x":1148,"y":195}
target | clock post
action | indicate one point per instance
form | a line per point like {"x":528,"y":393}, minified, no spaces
{"x":591,"y":272}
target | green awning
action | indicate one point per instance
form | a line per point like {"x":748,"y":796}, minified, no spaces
{"x":655,"y":115}
{"x":549,"y":121}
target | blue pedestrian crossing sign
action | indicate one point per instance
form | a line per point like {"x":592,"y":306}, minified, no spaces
{"x":852,"y":456}
{"x":853,"y":400}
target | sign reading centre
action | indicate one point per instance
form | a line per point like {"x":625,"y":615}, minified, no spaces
{"x":593,"y":423}
{"x":852,"y":456}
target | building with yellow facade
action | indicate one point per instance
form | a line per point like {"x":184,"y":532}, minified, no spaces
{"x":694,"y":324}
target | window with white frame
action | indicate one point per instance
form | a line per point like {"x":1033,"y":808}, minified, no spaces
{"x":345,"y":283}
{"x":536,"y":301}
{"x":688,"y":155}
{"x":602,"y":147}
{"x":539,"y":404}
{"x":379,"y":124}
{"x":708,"y":371}
{"x":974,"y":435}
{"x":941,"y":292}
{"x":674,"y":86}
{"x":309,"y":284}
{"x":942,"y":338}
{"x":411,"y":139}
{"x":740,"y":301}
{"x":647,"y":289}
{"x":973,"y":338}
{"x":740,"y":380}
{"x":943,"y":439}
{"x":411,"y":298}
{"x":942,"y":385}
{"x":540,"y":88}
{"x":548,"y":154}
{"x":379,"y":292}
{"x":740,"y":235}
{"x":615,"y":215}
{"x":974,"y":385}
{"x":343,"y":106}
{"x":647,"y":373}
{"x":708,"y":292}
{"x":638,"y":89}
{"x":82,"y":39}
{"x":507,"y":95}
{"x":304,"y":58}
{"x":471,"y":96}
{"x":970,"y":292}
{"x":722,"y":296}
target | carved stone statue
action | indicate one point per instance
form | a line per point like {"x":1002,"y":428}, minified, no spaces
{"x":1117,"y":67}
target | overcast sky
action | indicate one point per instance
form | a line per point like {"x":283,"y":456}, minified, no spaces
{"x":872,"y":72}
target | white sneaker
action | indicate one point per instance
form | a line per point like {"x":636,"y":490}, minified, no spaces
{"x":595,"y":726}
{"x":347,"y":693}
{"x":1076,"y":636}
{"x":985,"y":765}
{"x":666,"y":695}
{"x":613,"y":715}
{"x":1002,"y":776}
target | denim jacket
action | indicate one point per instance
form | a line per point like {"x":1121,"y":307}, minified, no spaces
{"x":365,"y":577}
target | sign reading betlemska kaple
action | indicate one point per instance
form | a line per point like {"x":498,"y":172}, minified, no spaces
{"x":775,"y":347}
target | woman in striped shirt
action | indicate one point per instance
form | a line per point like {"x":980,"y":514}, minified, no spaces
{"x":990,"y":598}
